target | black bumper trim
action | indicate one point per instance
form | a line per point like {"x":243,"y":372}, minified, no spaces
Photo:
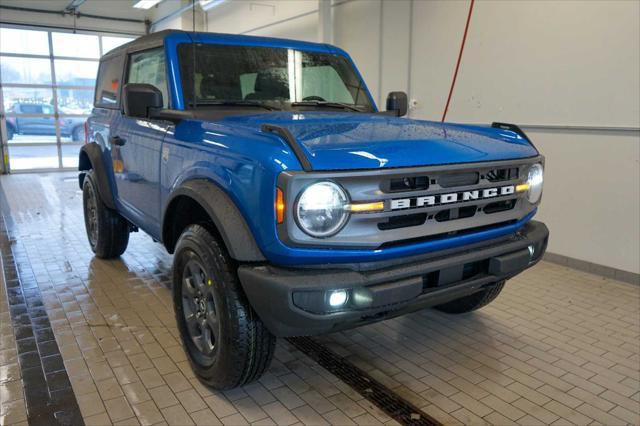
{"x":270,"y":289}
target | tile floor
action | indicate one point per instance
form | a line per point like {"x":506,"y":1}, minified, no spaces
{"x":12,"y":403}
{"x":557,"y":347}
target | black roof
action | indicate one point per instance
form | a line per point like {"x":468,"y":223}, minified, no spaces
{"x":156,"y":39}
{"x":144,"y":42}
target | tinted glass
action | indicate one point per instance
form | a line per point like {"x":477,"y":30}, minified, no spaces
{"x":76,"y":45}
{"x":74,"y":101}
{"x":70,"y":155}
{"x":33,"y":157}
{"x":149,"y":68}
{"x":26,"y":95}
{"x":25,"y":70}
{"x":31,"y":109}
{"x":75,"y":73}
{"x":247,"y":73}
{"x":108,"y":85}
{"x":15,"y":40}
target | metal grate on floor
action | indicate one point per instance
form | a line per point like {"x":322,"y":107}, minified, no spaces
{"x":384,"y":398}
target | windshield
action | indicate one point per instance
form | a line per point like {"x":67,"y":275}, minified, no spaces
{"x":275,"y":77}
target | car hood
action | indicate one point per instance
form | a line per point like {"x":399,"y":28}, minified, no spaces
{"x":347,"y":141}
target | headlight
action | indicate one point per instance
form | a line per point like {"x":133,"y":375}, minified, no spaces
{"x":321,"y":209}
{"x":535,"y":180}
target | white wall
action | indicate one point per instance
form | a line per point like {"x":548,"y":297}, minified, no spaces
{"x":590,"y":200}
{"x":164,"y":9}
{"x":356,"y":29}
{"x":538,"y":63}
{"x":273,"y":18}
{"x":533,"y":62}
{"x":562,"y":63}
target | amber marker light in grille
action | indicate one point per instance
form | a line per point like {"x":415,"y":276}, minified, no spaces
{"x":522,"y":187}
{"x":366,"y":207}
{"x":279,"y":206}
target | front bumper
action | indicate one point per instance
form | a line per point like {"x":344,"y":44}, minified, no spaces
{"x":293,"y":301}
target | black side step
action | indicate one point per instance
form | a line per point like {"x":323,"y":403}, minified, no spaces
{"x":288,"y":137}
{"x":512,"y":127}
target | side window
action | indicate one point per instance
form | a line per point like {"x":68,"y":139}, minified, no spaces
{"x":31,"y":109}
{"x":149,"y":67}
{"x":108,"y":83}
{"x":248,"y":83}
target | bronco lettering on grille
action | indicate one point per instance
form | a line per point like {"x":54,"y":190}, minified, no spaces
{"x":453,"y":197}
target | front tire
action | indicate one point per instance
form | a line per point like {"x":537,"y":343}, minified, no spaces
{"x":473,"y":301}
{"x":227,"y":344}
{"x":107,"y":231}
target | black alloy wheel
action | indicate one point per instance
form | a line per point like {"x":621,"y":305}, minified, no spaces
{"x":199,"y":309}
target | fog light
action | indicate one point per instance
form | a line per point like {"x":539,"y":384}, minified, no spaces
{"x":337,"y":298}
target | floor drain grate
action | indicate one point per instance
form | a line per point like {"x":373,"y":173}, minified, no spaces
{"x":384,"y":398}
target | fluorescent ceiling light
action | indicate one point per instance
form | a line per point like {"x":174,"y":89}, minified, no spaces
{"x":146,"y":4}
{"x":210,"y":4}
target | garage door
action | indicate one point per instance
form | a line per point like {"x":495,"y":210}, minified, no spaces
{"x":47,"y":80}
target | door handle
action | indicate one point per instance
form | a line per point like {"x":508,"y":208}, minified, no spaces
{"x":117,"y":140}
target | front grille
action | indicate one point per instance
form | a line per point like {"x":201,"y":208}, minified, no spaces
{"x":409,"y":183}
{"x":455,"y":213}
{"x":404,"y":221}
{"x":420,"y":203}
{"x":458,"y":179}
{"x":500,"y":175}
{"x":447,"y":234}
{"x":500,"y":206}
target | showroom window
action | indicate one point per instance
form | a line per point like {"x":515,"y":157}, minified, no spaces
{"x":47,"y":82}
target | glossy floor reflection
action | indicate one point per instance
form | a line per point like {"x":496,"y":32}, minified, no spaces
{"x":558,"y":346}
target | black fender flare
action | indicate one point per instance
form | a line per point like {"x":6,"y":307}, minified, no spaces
{"x":226,"y":216}
{"x":92,"y":158}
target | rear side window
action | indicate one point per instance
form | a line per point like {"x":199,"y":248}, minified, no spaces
{"x":31,"y":109}
{"x":149,"y":67}
{"x":108,"y":84}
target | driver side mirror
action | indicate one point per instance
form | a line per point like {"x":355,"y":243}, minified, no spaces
{"x":140,"y":100}
{"x":397,"y":102}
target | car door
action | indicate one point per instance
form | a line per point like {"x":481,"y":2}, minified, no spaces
{"x":36,"y":125}
{"x":136,"y":146}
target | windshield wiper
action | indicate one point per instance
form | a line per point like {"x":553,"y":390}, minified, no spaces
{"x":239,"y":103}
{"x":327,"y":104}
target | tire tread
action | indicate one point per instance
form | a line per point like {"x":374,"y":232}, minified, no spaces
{"x":113,"y":229}
{"x":252,"y":341}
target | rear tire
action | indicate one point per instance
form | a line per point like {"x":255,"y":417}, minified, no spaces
{"x":226,"y":342}
{"x":107,"y":231}
{"x":473,"y":301}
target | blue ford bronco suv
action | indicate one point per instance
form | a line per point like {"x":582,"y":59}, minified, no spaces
{"x":292,"y":205}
